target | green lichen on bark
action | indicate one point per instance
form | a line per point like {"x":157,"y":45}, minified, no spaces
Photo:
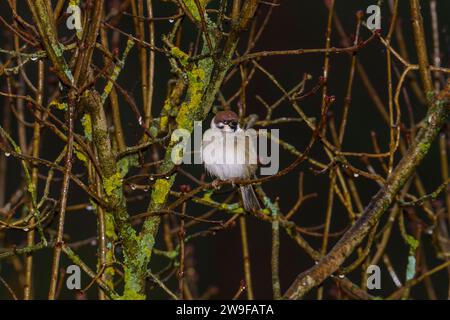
{"x":160,"y":192}
{"x":126,"y":163}
{"x":117,"y":217}
{"x":132,"y":295}
{"x":87,"y":126}
{"x":110,"y":238}
{"x":58,"y":105}
{"x":116,"y":71}
{"x":133,"y":264}
{"x":110,"y":232}
{"x":192,"y":9}
{"x":80,"y":155}
{"x":181,"y":56}
{"x":112,"y":183}
{"x":190,"y":111}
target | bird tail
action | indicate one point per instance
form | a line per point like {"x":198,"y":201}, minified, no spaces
{"x":249,"y":198}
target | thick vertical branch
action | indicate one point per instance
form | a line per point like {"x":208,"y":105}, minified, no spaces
{"x":205,"y":80}
{"x":112,"y":184}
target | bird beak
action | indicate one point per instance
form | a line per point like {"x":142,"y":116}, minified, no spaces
{"x":233,"y":125}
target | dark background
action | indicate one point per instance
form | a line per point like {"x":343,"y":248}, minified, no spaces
{"x":218,"y":259}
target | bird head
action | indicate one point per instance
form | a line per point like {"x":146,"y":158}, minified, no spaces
{"x":226,"y":121}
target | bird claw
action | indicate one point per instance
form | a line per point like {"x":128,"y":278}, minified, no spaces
{"x":216,"y":184}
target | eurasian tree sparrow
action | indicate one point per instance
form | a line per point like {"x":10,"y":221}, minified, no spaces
{"x":229,"y":153}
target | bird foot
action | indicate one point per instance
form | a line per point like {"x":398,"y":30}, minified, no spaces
{"x":233,"y":181}
{"x":216,"y":184}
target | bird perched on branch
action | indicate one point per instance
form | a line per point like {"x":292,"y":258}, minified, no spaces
{"x":229,"y":153}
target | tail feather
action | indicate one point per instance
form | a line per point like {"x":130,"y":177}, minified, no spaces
{"x":249,"y":198}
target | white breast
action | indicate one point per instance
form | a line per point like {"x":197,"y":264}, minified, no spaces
{"x":229,"y":155}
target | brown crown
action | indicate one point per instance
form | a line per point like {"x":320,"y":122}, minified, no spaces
{"x":224,"y":116}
